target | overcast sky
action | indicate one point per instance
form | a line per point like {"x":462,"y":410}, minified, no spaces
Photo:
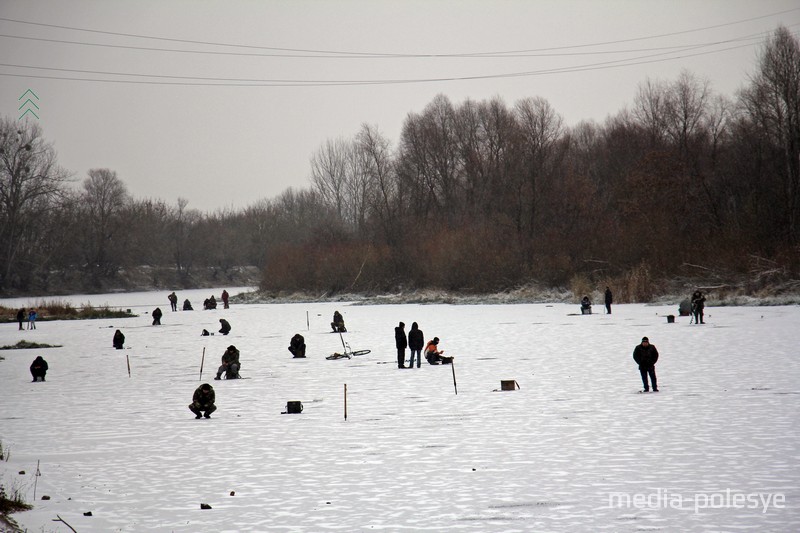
{"x":224,"y":102}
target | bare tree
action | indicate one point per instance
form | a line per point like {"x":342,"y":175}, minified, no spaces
{"x":773,"y":100}
{"x":30,"y":181}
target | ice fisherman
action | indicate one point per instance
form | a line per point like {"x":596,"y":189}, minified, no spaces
{"x":38,"y":368}
{"x":230,"y":364}
{"x":646,"y":356}
{"x":297,"y":345}
{"x":119,"y":340}
{"x":434,"y":355}
{"x":157,"y":316}
{"x":203,"y":401}
{"x":338,"y":323}
{"x":401,"y":342}
{"x":225,"y":326}
{"x":698,"y":304}
{"x":416,"y":342}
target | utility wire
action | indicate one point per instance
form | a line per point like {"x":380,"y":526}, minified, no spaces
{"x":322,"y":83}
{"x":369,"y":54}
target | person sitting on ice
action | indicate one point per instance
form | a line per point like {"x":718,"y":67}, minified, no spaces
{"x":338,"y":323}
{"x":157,"y":316}
{"x":187,"y":305}
{"x":203,"y":401}
{"x":297,"y":346}
{"x":230,"y":364}
{"x":434,"y":355}
{"x":586,"y":306}
{"x":225,"y":326}
{"x":119,"y":340}
{"x":38,"y":368}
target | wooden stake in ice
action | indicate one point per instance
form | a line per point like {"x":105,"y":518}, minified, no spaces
{"x":202,"y":360}
{"x":453,"y":366}
{"x":128,"y":360}
{"x":345,"y":402}
{"x":308,"y":324}
{"x":36,"y":480}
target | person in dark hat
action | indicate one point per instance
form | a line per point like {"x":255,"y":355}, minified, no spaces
{"x":119,"y":340}
{"x":157,"y":316}
{"x":416,"y":342}
{"x":646,"y":356}
{"x":225,"y":326}
{"x":297,"y":345}
{"x":39,"y":368}
{"x":698,"y":304}
{"x":609,"y":298}
{"x":230,"y":364}
{"x":401,"y":342}
{"x":434,"y":355}
{"x":203,"y":401}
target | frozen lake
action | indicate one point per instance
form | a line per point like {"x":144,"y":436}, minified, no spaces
{"x":576,"y":448}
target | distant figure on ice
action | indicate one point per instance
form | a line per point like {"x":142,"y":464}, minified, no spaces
{"x":297,"y":346}
{"x":646,"y":356}
{"x":21,"y":318}
{"x":225,"y":297}
{"x":401,"y":342}
{"x":173,"y":301}
{"x":586,"y":306}
{"x":210,"y":303}
{"x":416,"y":341}
{"x":609,"y":299}
{"x":698,"y":304}
{"x":119,"y":340}
{"x":203,"y":401}
{"x":32,"y":315}
{"x":187,"y":305}
{"x":205,"y":333}
{"x":230,"y":364}
{"x":38,"y":368}
{"x":434,"y":355}
{"x":225,"y":327}
{"x":338,"y":322}
{"x":157,"y":316}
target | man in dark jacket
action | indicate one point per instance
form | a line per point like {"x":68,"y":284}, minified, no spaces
{"x":119,"y":340}
{"x":38,"y":368}
{"x":157,"y":316}
{"x":698,"y":304}
{"x":402,"y":343}
{"x":297,"y":346}
{"x":230,"y":364}
{"x":646,"y":356}
{"x":416,"y":342}
{"x":21,"y":317}
{"x":225,"y":326}
{"x":609,"y":298}
{"x":203,"y":401}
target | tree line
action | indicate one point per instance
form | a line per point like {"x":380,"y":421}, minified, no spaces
{"x":475,"y":196}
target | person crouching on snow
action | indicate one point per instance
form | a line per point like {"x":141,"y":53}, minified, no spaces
{"x":203,"y":401}
{"x":38,"y":368}
{"x":119,"y":340}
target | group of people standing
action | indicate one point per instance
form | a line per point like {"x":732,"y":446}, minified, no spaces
{"x":415,"y":341}
{"x":32,"y":315}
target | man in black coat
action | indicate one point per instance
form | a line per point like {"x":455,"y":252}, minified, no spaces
{"x":225,"y":326}
{"x":39,"y":368}
{"x":416,"y":342}
{"x":609,"y":298}
{"x":157,"y":316}
{"x":402,"y":343}
{"x":203,"y":401}
{"x":646,"y":355}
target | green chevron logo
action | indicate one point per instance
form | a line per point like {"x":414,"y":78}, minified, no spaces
{"x":29,"y":105}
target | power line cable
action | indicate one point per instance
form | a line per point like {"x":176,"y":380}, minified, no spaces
{"x":369,"y":54}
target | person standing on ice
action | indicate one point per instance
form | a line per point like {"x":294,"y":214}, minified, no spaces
{"x":203,"y":401}
{"x":173,"y":301}
{"x":21,"y":318}
{"x":608,"y":300}
{"x":698,"y":304}
{"x":225,"y":297}
{"x":416,"y":342}
{"x":646,"y":356}
{"x":401,"y":342}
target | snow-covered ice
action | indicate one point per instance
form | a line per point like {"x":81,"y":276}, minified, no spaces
{"x":576,"y":448}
